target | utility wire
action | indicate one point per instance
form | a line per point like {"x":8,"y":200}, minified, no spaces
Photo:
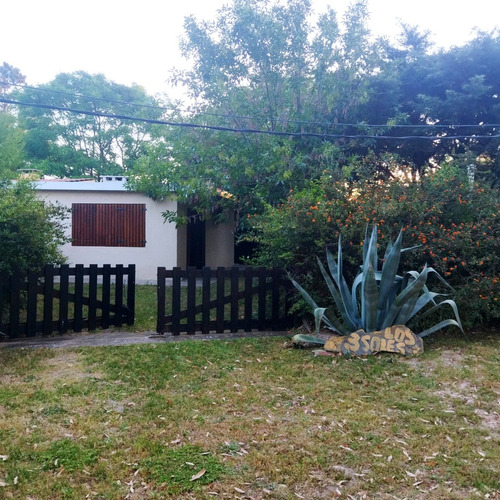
{"x":252,"y":118}
{"x":244,"y":130}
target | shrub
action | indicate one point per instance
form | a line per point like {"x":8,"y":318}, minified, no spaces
{"x":454,"y":221}
{"x":30,"y":230}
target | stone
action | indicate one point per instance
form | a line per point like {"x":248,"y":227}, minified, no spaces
{"x":397,"y":339}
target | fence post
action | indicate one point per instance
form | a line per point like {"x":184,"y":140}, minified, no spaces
{"x":131,"y":295}
{"x":160,"y":299}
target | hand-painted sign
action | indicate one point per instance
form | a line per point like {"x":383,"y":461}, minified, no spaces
{"x":397,"y":339}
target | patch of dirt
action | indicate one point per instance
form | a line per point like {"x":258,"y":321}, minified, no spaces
{"x":67,"y":367}
{"x":449,"y":357}
{"x":489,"y":420}
{"x":463,"y":391}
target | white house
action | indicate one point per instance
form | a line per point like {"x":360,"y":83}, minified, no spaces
{"x":109,"y":224}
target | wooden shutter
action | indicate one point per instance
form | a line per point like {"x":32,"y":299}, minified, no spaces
{"x":109,"y":224}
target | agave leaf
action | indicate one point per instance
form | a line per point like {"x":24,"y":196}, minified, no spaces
{"x":423,"y":300}
{"x":372,"y":250}
{"x":332,"y":324}
{"x":408,"y":292}
{"x":354,"y":299}
{"x":365,"y":244}
{"x":410,"y":248}
{"x":336,"y":272}
{"x":406,"y":310}
{"x":440,"y":278}
{"x":304,"y":294}
{"x":389,"y":272}
{"x":440,"y":326}
{"x":307,"y":339}
{"x":369,"y":300}
{"x":388,"y":249}
{"x":449,"y":302}
{"x":336,"y":296}
{"x":319,"y":313}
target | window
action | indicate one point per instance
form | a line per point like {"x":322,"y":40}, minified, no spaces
{"x":108,"y":224}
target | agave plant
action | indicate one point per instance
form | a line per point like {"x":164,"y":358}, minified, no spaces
{"x":378,"y":298}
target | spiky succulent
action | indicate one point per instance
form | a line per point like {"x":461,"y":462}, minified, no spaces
{"x":379,"y":297}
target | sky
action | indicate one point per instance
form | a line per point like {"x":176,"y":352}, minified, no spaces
{"x":134,"y":41}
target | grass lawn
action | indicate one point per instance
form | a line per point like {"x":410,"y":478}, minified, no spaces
{"x":250,"y":419}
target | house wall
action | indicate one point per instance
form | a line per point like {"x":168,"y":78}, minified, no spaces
{"x":219,"y":244}
{"x":161,"y":238}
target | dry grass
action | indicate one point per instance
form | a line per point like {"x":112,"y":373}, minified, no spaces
{"x":260,"y":420}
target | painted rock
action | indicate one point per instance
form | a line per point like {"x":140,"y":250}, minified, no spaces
{"x":397,"y":339}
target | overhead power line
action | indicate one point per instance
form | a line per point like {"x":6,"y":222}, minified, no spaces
{"x":391,"y":126}
{"x":243,"y":130}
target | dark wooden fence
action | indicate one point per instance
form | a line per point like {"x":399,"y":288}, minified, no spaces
{"x":60,"y":299}
{"x":223,"y":299}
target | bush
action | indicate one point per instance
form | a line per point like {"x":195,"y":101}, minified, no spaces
{"x":454,"y":220}
{"x":30,"y":230}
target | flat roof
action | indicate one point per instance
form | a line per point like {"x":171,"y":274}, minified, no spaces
{"x":80,"y":185}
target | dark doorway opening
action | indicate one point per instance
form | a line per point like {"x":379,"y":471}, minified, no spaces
{"x":195,"y":251}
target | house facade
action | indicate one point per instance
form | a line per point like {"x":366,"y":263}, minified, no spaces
{"x":109,"y":224}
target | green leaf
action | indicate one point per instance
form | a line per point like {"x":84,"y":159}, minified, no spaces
{"x":369,"y":300}
{"x":453,"y":305}
{"x":307,"y":339}
{"x":336,"y":272}
{"x":319,"y":313}
{"x":389,"y":272}
{"x":408,"y":292}
{"x":336,"y":297}
{"x":440,"y":326}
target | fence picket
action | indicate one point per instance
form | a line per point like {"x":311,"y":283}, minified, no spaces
{"x":219,"y":314}
{"x":205,"y":313}
{"x":15,"y":300}
{"x":78,"y":298}
{"x":191,"y":300}
{"x":64,"y":299}
{"x":31,"y":305}
{"x":106,"y":294}
{"x":176,"y":301}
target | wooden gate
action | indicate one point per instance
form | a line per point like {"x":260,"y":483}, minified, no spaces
{"x":59,"y":299}
{"x":223,"y":299}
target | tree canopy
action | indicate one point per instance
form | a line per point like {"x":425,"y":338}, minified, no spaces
{"x":62,"y":141}
{"x":309,"y":94}
{"x":281,"y":95}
